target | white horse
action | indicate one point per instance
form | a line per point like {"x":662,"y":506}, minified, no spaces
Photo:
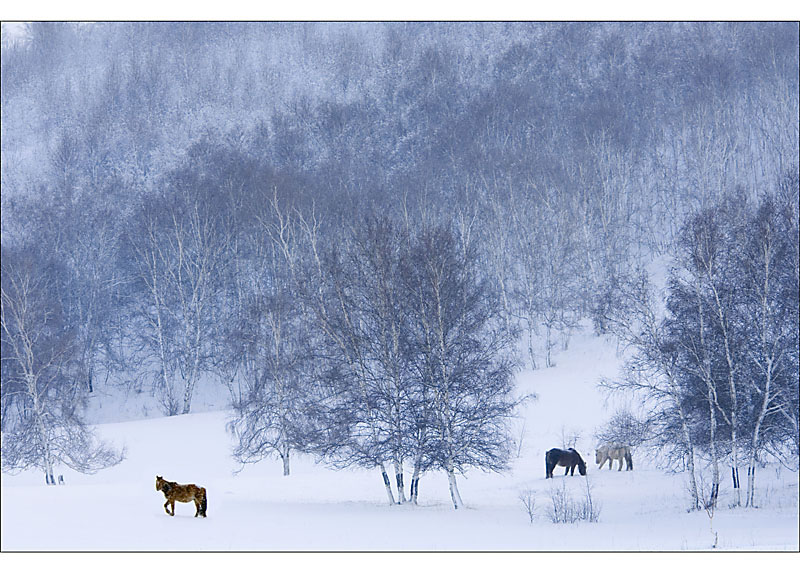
{"x":613,"y":452}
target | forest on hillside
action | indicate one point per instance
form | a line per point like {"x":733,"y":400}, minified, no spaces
{"x":364,"y":230}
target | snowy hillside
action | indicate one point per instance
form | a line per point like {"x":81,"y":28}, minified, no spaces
{"x":317,"y":508}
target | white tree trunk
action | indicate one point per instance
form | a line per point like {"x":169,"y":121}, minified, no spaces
{"x":751,"y":467}
{"x":285,"y":458}
{"x":690,"y":464}
{"x":689,"y":444}
{"x":195,"y":371}
{"x":387,"y":484}
{"x":530,"y":343}
{"x":414,"y":493}
{"x":162,"y":349}
{"x":733,"y":390}
{"x":398,"y":474}
{"x":715,"y":478}
{"x":454,"y":494}
{"x":47,"y":456}
{"x":766,"y":395}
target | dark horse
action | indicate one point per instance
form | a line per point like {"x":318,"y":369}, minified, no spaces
{"x":568,"y":458}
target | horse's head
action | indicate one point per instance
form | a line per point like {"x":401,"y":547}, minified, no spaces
{"x":159,"y":483}
{"x":598,"y":456}
{"x":581,"y":465}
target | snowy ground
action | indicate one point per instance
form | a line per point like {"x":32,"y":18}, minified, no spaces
{"x":320,"y":509}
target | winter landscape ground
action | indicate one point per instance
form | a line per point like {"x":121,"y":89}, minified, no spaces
{"x":317,"y":508}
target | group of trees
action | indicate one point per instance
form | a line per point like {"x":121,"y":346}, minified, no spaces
{"x":720,"y":361}
{"x":402,"y":348}
{"x":39,"y":349}
{"x":289,"y":211}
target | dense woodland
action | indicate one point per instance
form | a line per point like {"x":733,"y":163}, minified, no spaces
{"x":363,"y":230}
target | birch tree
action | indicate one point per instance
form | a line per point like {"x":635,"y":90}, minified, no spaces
{"x":652,"y":370}
{"x":180,"y":262}
{"x":464,"y":351}
{"x":42,"y":402}
{"x":148,"y":261}
{"x":379,"y":249}
{"x":271,"y":344}
{"x":713,"y":256}
{"x":352,"y":421}
{"x":771,"y":298}
{"x":690,"y":326}
{"x":198,"y":240}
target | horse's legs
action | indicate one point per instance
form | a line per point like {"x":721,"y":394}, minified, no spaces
{"x":619,"y":469}
{"x":166,"y":508}
{"x":172,"y":508}
{"x":196,"y":507}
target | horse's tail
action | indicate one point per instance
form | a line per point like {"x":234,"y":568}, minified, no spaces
{"x":203,"y":502}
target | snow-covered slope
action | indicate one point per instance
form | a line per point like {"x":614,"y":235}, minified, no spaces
{"x":317,"y":508}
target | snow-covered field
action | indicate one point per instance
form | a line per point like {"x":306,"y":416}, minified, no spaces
{"x":317,"y":508}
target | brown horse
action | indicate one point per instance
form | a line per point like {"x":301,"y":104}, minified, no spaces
{"x":566,"y":458}
{"x":183,"y":493}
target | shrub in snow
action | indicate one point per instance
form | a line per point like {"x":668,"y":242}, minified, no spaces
{"x":528,"y":499}
{"x":566,"y":509}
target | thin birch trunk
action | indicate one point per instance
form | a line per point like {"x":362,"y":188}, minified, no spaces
{"x":715,"y":477}
{"x":751,"y":468}
{"x":732,"y":387}
{"x":414,"y":493}
{"x":692,"y":480}
{"x":690,"y":452}
{"x":765,"y":394}
{"x":712,"y":401}
{"x":451,"y":480}
{"x":285,"y":458}
{"x":193,"y":374}
{"x":387,"y":483}
{"x":48,"y":456}
{"x":398,"y":474}
{"x":751,"y":481}
{"x":549,"y":345}
{"x":687,"y":436}
{"x":162,"y":348}
{"x":530,"y":343}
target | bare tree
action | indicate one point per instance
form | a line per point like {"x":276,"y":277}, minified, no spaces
{"x":149,"y":260}
{"x":271,"y":344}
{"x":42,"y":403}
{"x":179,"y":258}
{"x":770,"y":287}
{"x":353,"y":422}
{"x":652,"y":369}
{"x":464,"y":354}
